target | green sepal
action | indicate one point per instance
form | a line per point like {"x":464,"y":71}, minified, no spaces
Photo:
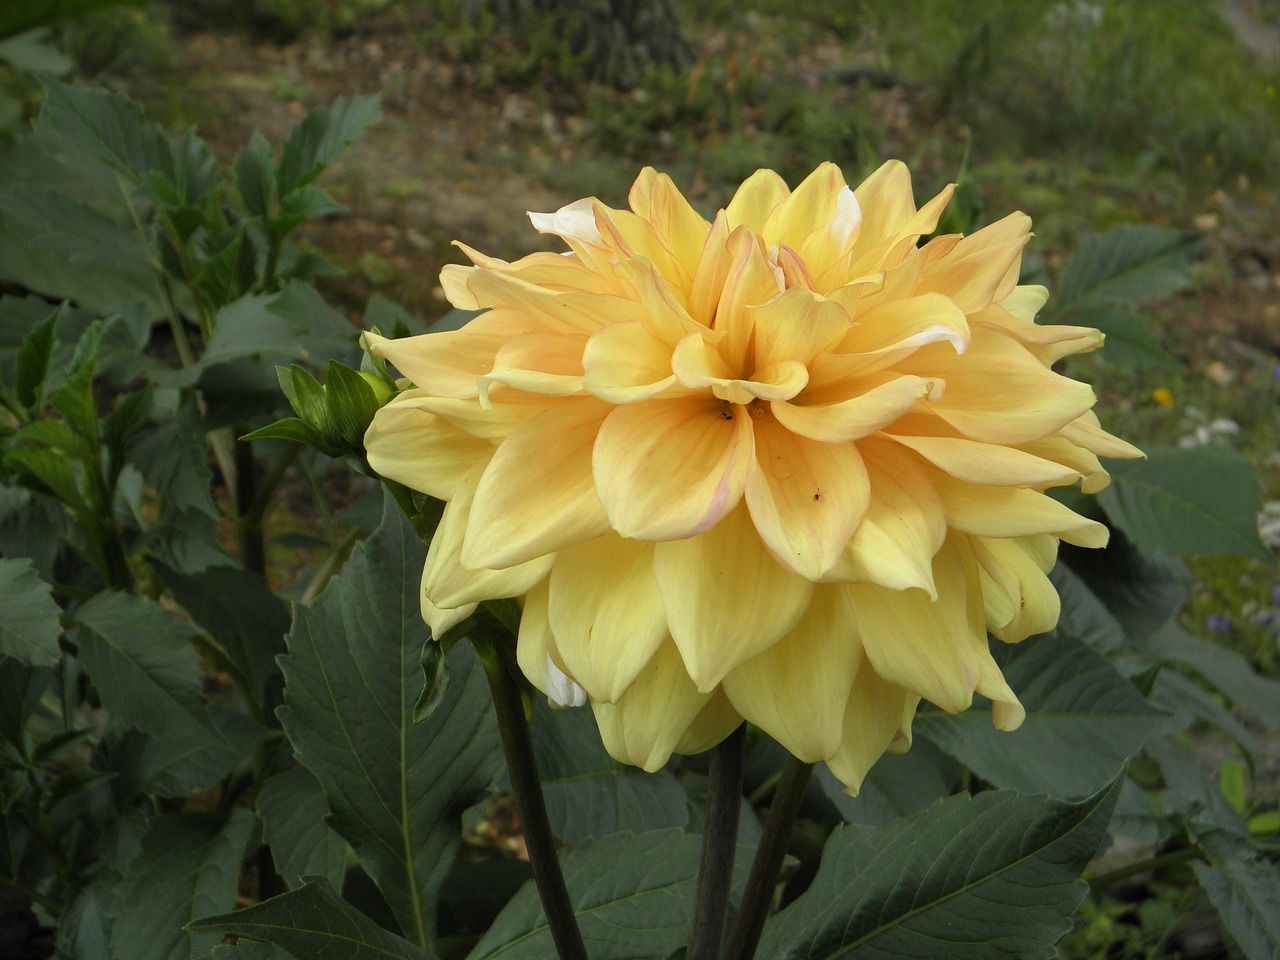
{"x":435,"y":680}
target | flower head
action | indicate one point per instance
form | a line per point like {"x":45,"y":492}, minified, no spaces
{"x":787,"y":465}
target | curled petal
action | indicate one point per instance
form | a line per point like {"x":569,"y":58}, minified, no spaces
{"x":895,"y":328}
{"x":625,"y":363}
{"x":409,"y":445}
{"x":573,"y":221}
{"x":666,"y":469}
{"x":814,"y":205}
{"x":859,"y":416}
{"x":544,"y":310}
{"x":537,"y":495}
{"x":987,"y":463}
{"x":797,"y":690}
{"x":1012,"y":512}
{"x":983,"y":267}
{"x":796,"y":326}
{"x":539,"y":363}
{"x":727,"y":599}
{"x":1018,"y":598}
{"x":644,"y":727}
{"x":493,"y":419}
{"x":1086,"y":431}
{"x":606,"y":627}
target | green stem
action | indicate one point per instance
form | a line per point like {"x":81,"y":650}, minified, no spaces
{"x":253,"y":548}
{"x":332,"y":564}
{"x":517,"y":744}
{"x":1171,"y":859}
{"x":719,"y":840}
{"x":757,"y":898}
{"x":262,"y":497}
{"x":35,"y":896}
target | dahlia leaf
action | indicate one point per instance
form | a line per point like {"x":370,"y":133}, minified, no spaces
{"x":897,"y":786}
{"x":1127,"y":265}
{"x":971,"y":877}
{"x":1199,"y":501}
{"x":1131,"y":340}
{"x":188,"y":865}
{"x":1084,"y":617}
{"x":1244,"y":887}
{"x":321,"y":136}
{"x":1077,"y":706}
{"x":588,"y":793}
{"x":633,"y":896}
{"x":30,"y":628}
{"x":352,"y":674}
{"x":293,"y":811}
{"x":312,"y":921}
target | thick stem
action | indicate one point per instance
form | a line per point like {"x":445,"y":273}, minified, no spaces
{"x":745,"y":936}
{"x":253,"y":548}
{"x":517,"y":744}
{"x":719,"y":840}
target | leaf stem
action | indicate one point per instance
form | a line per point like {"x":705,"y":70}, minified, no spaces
{"x":756,"y":899}
{"x":1147,"y":865}
{"x":719,"y":840}
{"x":517,"y":744}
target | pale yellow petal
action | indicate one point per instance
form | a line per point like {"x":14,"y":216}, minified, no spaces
{"x":666,"y":469}
{"x":811,"y":206}
{"x":751,"y":205}
{"x":537,"y":495}
{"x":715,"y":721}
{"x":497,"y":417}
{"x":443,"y":619}
{"x":983,"y":267}
{"x":1011,"y":512}
{"x":1088,"y":433}
{"x":412,"y":446}
{"x":453,"y":281}
{"x":796,"y":326}
{"x":797,"y":690}
{"x":606,"y":613}
{"x":751,"y":281}
{"x":534,"y":641}
{"x":680,"y":228}
{"x":873,"y":718}
{"x":625,"y":363}
{"x":896,"y":328}
{"x":1019,"y":599}
{"x":806,"y":498}
{"x":727,"y":599}
{"x":546,"y":364}
{"x":861,"y":415}
{"x":544,"y":310}
{"x":647,"y":724}
{"x":987,"y":463}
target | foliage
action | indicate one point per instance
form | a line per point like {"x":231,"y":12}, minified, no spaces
{"x":181,"y":724}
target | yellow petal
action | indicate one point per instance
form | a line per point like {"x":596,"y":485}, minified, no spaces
{"x":751,"y":205}
{"x":492,"y":420}
{"x":903,"y":528}
{"x":727,"y":599}
{"x":537,"y":495}
{"x":796,"y":326}
{"x":679,"y":227}
{"x":449,"y":363}
{"x":411,"y":446}
{"x":806,"y":498}
{"x":644,"y":727}
{"x":875,"y":714}
{"x":797,"y":690}
{"x":713,"y":267}
{"x":1018,"y":597}
{"x":931,"y":647}
{"x":574,"y":221}
{"x":997,"y":392}
{"x":540,"y":363}
{"x":859,"y":416}
{"x":1086,"y":431}
{"x":446,"y":582}
{"x":983,"y":462}
{"x":1011,"y":512}
{"x":715,"y":721}
{"x":606,"y":613}
{"x":751,"y":281}
{"x":898,"y":327}
{"x":443,"y":619}
{"x":453,"y":281}
{"x":544,"y":310}
{"x":811,"y":206}
{"x":1080,"y":460}
{"x":625,"y":363}
{"x":671,"y":468}
{"x":983,"y":267}
{"x":662,"y":313}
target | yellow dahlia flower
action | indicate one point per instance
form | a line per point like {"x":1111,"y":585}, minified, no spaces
{"x":786,"y":466}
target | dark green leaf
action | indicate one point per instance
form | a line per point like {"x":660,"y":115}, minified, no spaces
{"x":588,"y":793}
{"x":21,"y":688}
{"x":896,"y":786}
{"x":394,"y":787}
{"x":1140,"y":591}
{"x":173,"y":460}
{"x":245,"y":949}
{"x":188,"y":867}
{"x":30,"y":526}
{"x":291,"y":429}
{"x":312,"y":922}
{"x":1131,"y":342}
{"x":308,"y":203}
{"x":29,"y":627}
{"x":350,"y":404}
{"x":633,"y":896}
{"x":1245,"y":888}
{"x":255,"y":176}
{"x":16,"y":18}
{"x":293,"y":811}
{"x":1084,"y":617}
{"x":321,"y":136}
{"x":1127,"y":265}
{"x":972,"y":877}
{"x":187,"y":759}
{"x":85,"y":124}
{"x":1224,"y":668}
{"x":1077,"y":706}
{"x":49,"y":470}
{"x":187,"y":541}
{"x":294,"y":325}
{"x":1198,"y":501}
{"x":33,"y":362}
{"x":453,"y":320}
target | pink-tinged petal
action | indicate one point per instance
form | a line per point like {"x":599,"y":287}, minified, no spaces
{"x":806,"y":498}
{"x":680,"y":228}
{"x":626,"y":363}
{"x":450,"y":362}
{"x":715,"y":721}
{"x":876,"y":715}
{"x":644,"y":727}
{"x":667,"y":469}
{"x":860,"y":416}
{"x":540,"y":363}
{"x":446,"y":582}
{"x":797,"y":690}
{"x":904,"y":526}
{"x":411,"y":446}
{"x":983,"y":267}
{"x":812,"y":206}
{"x":983,"y":462}
{"x":998,"y":392}
{"x":542,"y":310}
{"x":899,"y":327}
{"x":933,"y":648}
{"x":727,"y":599}
{"x":796,"y":326}
{"x":537,"y":495}
{"x":606,"y":613}
{"x":751,"y":281}
{"x":492,"y":420}
{"x":713,"y":268}
{"x":759,"y":194}
{"x":1018,"y":598}
{"x":1012,"y":512}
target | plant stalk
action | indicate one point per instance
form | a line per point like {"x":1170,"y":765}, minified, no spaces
{"x":719,"y":840}
{"x":756,"y":899}
{"x":517,"y":744}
